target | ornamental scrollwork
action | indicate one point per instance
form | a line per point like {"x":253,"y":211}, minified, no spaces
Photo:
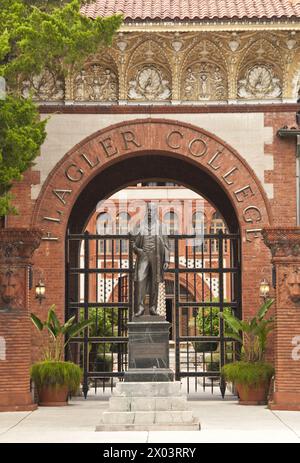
{"x":44,"y":87}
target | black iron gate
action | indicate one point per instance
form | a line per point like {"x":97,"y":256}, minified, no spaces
{"x":202,"y":281}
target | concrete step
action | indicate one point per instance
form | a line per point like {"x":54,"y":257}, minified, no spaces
{"x":195,"y":426}
{"x":147,"y":403}
{"x":147,"y":418}
{"x":150,"y":389}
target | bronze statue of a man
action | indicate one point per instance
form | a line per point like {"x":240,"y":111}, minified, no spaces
{"x":150,"y":244}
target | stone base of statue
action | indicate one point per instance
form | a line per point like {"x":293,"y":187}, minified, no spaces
{"x":148,"y":406}
{"x":149,"y":398}
{"x":148,"y":350}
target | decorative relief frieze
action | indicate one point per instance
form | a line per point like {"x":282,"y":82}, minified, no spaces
{"x":149,"y":84}
{"x":44,"y":87}
{"x":260,"y":81}
{"x":148,"y":73}
{"x":260,"y":75}
{"x":204,"y":81}
{"x":203,"y":76}
{"x":184,"y":66}
{"x":95,"y":83}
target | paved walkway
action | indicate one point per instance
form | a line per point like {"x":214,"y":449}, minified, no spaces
{"x":221,"y":421}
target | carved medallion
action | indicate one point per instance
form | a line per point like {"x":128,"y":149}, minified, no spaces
{"x":149,"y":84}
{"x":204,"y":81}
{"x":44,"y":87}
{"x":96,"y":83}
{"x":259,"y":81}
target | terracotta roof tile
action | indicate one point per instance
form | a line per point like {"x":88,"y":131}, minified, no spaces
{"x":194,"y":9}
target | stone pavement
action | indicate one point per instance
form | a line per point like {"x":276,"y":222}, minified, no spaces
{"x":221,"y":421}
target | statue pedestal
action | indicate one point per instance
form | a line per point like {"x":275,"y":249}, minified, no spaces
{"x":156,"y":406}
{"x":148,"y":350}
{"x":149,"y":398}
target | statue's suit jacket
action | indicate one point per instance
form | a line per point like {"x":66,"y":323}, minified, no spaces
{"x":162,"y":254}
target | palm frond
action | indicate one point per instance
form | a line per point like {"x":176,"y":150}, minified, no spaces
{"x":77,"y":327}
{"x":233,"y":322}
{"x":264,"y":308}
{"x":37,"y":322}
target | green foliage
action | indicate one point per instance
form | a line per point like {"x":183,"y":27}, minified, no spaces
{"x":248,"y":373}
{"x":208,"y":321}
{"x":21,"y":135}
{"x":103,"y":322}
{"x":35,"y":35}
{"x":252,"y":333}
{"x":57,"y":331}
{"x":53,"y":373}
{"x":208,"y":324}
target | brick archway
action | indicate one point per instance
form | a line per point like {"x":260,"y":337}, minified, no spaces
{"x":126,"y":152}
{"x":130,"y":141}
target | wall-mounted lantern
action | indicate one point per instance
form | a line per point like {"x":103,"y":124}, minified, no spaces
{"x":40,"y":290}
{"x":264,"y":289}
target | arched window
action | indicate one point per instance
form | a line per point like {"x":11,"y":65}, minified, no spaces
{"x":122,"y":229}
{"x":171,"y":223}
{"x":104,"y":227}
{"x":171,"y":226}
{"x":217,"y":224}
{"x":199,"y":229}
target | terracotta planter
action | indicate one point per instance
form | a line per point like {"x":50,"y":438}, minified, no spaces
{"x":253,"y":395}
{"x":56,"y":396}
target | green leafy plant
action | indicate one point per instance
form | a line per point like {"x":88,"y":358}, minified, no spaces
{"x":248,"y":374}
{"x":55,"y":374}
{"x":21,"y":135}
{"x":104,"y":322}
{"x":59,"y":334}
{"x":251,"y":333}
{"x":208,"y":324}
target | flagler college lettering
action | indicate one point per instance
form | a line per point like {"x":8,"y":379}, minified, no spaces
{"x":198,"y":147}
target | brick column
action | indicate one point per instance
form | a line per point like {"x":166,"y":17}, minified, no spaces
{"x":285,"y":247}
{"x":16,"y":249}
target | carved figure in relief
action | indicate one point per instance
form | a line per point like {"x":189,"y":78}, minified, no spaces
{"x":204,"y":81}
{"x":11,"y":290}
{"x":96,"y":83}
{"x":293,"y":285}
{"x":190,"y":83}
{"x":80,"y":83}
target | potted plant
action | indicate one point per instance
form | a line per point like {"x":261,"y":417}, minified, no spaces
{"x":55,"y":378}
{"x":252,"y":374}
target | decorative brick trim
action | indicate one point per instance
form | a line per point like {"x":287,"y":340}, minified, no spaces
{"x":18,"y":244}
{"x":169,"y":109}
{"x":283,"y":242}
